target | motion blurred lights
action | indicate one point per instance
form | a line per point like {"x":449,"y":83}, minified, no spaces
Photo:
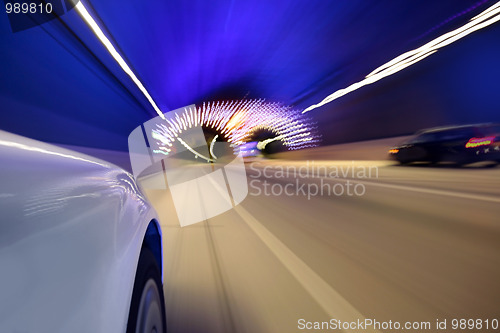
{"x":237,"y":121}
{"x":484,"y":19}
{"x":111,"y":49}
{"x":476,"y":142}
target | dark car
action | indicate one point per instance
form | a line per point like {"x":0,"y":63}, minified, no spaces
{"x":456,"y":144}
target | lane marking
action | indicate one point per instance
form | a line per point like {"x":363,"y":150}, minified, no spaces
{"x":228,"y":321}
{"x":330,"y":300}
{"x":425,"y":190}
{"x":449,"y":193}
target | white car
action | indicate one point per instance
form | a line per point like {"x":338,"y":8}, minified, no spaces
{"x":80,"y":246}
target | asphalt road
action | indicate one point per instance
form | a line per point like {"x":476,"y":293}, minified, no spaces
{"x":402,"y":244}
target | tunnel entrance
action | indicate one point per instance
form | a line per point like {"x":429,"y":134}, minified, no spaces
{"x":216,"y":150}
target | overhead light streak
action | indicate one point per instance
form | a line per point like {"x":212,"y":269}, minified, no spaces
{"x":114,"y":53}
{"x":484,"y":19}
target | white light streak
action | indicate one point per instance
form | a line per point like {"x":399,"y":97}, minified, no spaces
{"x":212,"y":147}
{"x":262,"y":144}
{"x":486,"y":18}
{"x":48,"y":152}
{"x":194,"y":151}
{"x":114,"y":53}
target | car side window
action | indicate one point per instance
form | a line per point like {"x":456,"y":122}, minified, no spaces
{"x":422,"y":138}
{"x":457,"y":134}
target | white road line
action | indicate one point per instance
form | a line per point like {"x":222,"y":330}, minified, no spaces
{"x":415,"y":189}
{"x":330,"y":300}
{"x":426,"y":190}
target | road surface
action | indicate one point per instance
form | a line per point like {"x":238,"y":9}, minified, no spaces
{"x":412,"y":244}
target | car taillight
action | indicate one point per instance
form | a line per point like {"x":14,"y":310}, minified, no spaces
{"x":393,"y":151}
{"x":476,"y":142}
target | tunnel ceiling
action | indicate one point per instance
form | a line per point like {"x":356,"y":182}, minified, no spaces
{"x":59,"y":84}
